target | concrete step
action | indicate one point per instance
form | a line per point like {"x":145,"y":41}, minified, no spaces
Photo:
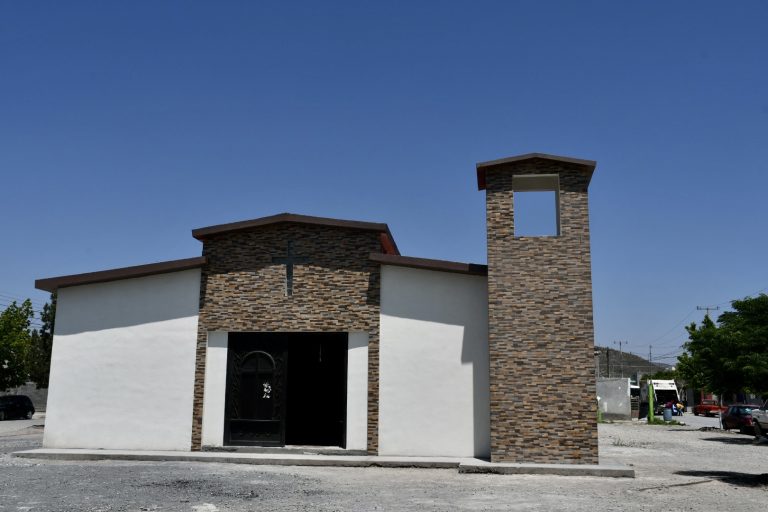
{"x":463,"y":465}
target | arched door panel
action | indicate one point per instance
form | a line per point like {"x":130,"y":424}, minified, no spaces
{"x":255,"y":403}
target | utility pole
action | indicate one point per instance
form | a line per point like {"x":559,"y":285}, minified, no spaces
{"x":708,"y":308}
{"x":621,"y":355}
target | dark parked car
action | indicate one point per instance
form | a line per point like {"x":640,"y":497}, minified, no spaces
{"x":740,"y":416}
{"x":16,"y":406}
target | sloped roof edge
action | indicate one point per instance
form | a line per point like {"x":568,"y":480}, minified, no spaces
{"x":388,"y":241}
{"x":430,"y":264}
{"x":585,"y":165}
{"x":51,"y":284}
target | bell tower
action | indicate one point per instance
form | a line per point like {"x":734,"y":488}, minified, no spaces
{"x":540,"y":327}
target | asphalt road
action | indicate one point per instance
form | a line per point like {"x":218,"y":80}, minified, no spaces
{"x":698,"y":421}
{"x":8,"y":426}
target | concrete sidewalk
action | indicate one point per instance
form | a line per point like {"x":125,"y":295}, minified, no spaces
{"x":463,"y":465}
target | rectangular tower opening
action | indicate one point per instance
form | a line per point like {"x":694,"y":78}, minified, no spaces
{"x":536,"y":205}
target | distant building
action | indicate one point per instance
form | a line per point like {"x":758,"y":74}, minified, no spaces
{"x":614,"y":398}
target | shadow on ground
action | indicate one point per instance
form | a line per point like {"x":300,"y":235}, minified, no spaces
{"x":731,"y":477}
{"x":732,"y":440}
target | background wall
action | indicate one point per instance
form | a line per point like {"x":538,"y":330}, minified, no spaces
{"x":214,"y":399}
{"x":614,"y":398}
{"x":357,"y":391}
{"x":123,"y":362}
{"x":433,"y":364}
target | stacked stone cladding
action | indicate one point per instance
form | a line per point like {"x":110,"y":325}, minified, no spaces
{"x":337,"y":290}
{"x":541,"y":334}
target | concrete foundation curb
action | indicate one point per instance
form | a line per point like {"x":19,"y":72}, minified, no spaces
{"x":288,"y":459}
{"x":603,"y":470}
{"x":463,"y":465}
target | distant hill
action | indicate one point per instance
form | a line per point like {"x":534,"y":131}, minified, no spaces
{"x":612,"y":363}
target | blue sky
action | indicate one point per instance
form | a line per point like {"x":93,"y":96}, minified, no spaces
{"x":125,"y":125}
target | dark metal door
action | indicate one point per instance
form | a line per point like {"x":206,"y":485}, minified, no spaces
{"x":255,"y":403}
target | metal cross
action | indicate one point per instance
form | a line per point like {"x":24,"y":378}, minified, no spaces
{"x":289,"y":261}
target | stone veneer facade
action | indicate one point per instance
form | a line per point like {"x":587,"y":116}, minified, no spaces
{"x":337,"y":290}
{"x":541,"y":334}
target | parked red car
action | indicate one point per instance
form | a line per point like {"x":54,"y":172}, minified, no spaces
{"x":708,"y":408}
{"x":740,"y":416}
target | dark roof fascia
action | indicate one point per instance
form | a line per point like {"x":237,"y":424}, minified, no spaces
{"x":388,"y":244}
{"x":429,"y":264}
{"x":587,"y":166}
{"x":52,"y":284}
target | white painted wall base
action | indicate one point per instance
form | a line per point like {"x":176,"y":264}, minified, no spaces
{"x":123,"y":364}
{"x":434,"y":396}
{"x":215,"y":389}
{"x":357,"y":391}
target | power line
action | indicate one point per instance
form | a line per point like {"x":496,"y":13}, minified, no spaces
{"x":749,"y":295}
{"x":16,"y":296}
{"x":19,"y":299}
{"x":714,"y":307}
{"x":8,"y":302}
{"x":678,"y":324}
{"x":669,"y":343}
{"x":7,"y":305}
{"x":670,"y":353}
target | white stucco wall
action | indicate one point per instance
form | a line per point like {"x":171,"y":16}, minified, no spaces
{"x":357,"y":391}
{"x":123,"y":362}
{"x":216,"y":387}
{"x":433,"y":364}
{"x":215,"y":390}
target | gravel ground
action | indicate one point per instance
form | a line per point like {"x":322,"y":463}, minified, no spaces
{"x":678,"y":468}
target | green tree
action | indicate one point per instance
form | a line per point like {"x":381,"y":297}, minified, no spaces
{"x":41,"y":343}
{"x":731,"y":356}
{"x":14,"y":344}
{"x":747,"y":327}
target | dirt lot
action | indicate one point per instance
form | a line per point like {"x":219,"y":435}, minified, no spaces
{"x":678,"y":468}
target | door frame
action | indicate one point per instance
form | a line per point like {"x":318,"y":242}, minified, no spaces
{"x":284,"y":402}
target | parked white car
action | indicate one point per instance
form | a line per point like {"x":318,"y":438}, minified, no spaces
{"x":760,"y":420}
